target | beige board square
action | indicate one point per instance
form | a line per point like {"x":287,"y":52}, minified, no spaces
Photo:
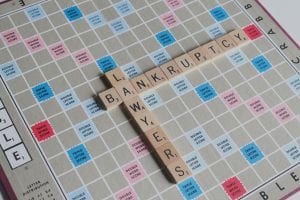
{"x":156,"y":76}
{"x":185,"y":62}
{"x":212,"y":49}
{"x":140,"y":83}
{"x":114,"y":76}
{"x":170,"y":69}
{"x":239,"y":36}
{"x":198,"y":55}
{"x":179,"y":170}
{"x":156,"y":137}
{"x":135,"y":106}
{"x":110,"y":98}
{"x":167,"y":153}
{"x":125,"y":89}
{"x":146,"y":121}
{"x":226,"y":42}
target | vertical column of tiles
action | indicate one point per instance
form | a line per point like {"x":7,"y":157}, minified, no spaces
{"x":11,"y":142}
{"x":157,"y":138}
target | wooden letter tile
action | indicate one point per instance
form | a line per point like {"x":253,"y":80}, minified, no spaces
{"x":125,"y":89}
{"x":146,"y":121}
{"x":212,"y":49}
{"x":185,"y":62}
{"x":170,"y":69}
{"x":141,"y":83}
{"x":167,"y":153}
{"x":156,"y":76}
{"x":225,"y":42}
{"x":114,"y":76}
{"x":239,"y":36}
{"x":198,"y":55}
{"x":179,"y":170}
{"x":156,"y":137}
{"x":110,"y":98}
{"x":135,"y":106}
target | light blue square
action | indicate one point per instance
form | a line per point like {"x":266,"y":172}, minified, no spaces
{"x":106,"y":63}
{"x":86,"y":130}
{"x":165,"y":38}
{"x":225,"y":145}
{"x":79,"y":155}
{"x":219,"y":13}
{"x":67,"y":99}
{"x":160,"y":56}
{"x":79,"y":194}
{"x":124,"y":8}
{"x":9,"y":70}
{"x":35,"y":12}
{"x":190,"y":189}
{"x":42,"y":92}
{"x":195,"y":162}
{"x":131,"y":70}
{"x":252,"y":153}
{"x":261,"y":63}
{"x":292,"y":152}
{"x":215,"y":31}
{"x":237,"y":57}
{"x":118,"y":26}
{"x":73,"y":13}
{"x":151,"y":99}
{"x":206,"y":92}
{"x":181,"y":85}
{"x":95,"y":19}
{"x":294,"y":83}
{"x":91,"y":108}
{"x":197,"y":137}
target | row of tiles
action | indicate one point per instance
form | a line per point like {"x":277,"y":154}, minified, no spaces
{"x":123,"y":89}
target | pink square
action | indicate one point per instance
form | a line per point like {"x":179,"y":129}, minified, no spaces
{"x":283,"y":113}
{"x":231,"y":98}
{"x":126,"y":194}
{"x":83,"y":57}
{"x":174,"y":4}
{"x":35,"y":43}
{"x":257,"y":105}
{"x":234,"y":188}
{"x":11,"y":37}
{"x":138,"y":147}
{"x":169,"y":19}
{"x":133,"y":172}
{"x":252,"y":31}
{"x":58,"y":50}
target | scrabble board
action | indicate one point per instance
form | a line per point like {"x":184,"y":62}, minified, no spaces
{"x":234,"y":119}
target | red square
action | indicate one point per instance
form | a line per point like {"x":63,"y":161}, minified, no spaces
{"x":252,"y":32}
{"x":42,"y":130}
{"x":234,"y":188}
